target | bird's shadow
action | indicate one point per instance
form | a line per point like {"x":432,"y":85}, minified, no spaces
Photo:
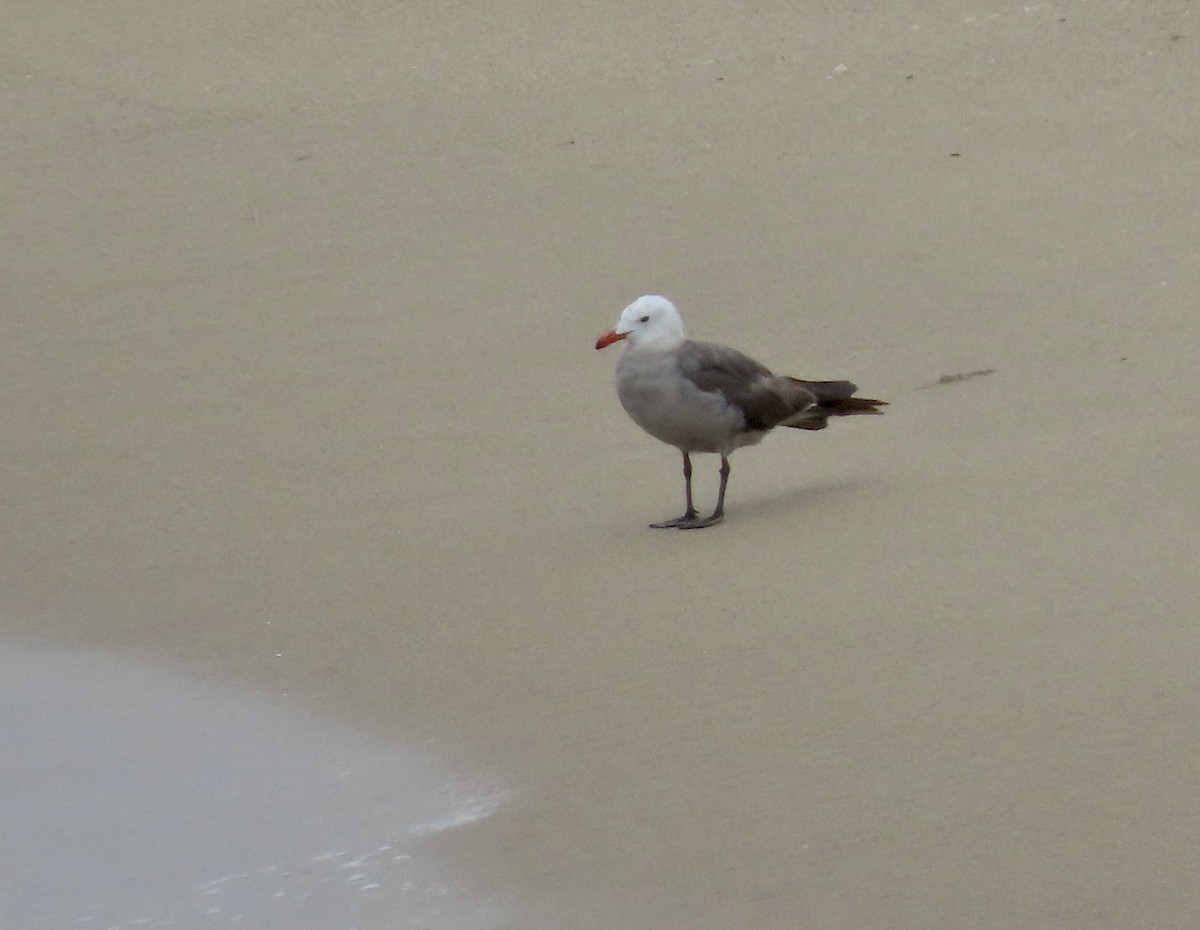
{"x":805,"y":496}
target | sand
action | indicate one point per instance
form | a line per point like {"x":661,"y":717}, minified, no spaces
{"x":298,"y":304}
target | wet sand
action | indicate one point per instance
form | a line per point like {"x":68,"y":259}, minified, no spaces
{"x":300,"y":398}
{"x":151,"y":799}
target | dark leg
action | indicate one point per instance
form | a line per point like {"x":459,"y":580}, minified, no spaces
{"x":687,"y":485}
{"x":690,"y":514}
{"x":719,"y":513}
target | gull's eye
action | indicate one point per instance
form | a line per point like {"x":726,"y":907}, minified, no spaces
{"x":646,"y":318}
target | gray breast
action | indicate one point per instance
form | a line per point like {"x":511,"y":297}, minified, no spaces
{"x":672,"y":408}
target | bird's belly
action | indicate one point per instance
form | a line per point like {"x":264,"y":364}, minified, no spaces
{"x":683,"y":416}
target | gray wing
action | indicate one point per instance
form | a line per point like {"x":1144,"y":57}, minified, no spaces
{"x":764,"y":399}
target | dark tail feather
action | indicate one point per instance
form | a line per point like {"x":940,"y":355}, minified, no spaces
{"x":834,"y":399}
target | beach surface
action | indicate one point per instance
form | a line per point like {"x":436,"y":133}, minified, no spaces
{"x":304,"y":437}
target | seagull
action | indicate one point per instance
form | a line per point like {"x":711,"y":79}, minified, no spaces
{"x":704,"y":397}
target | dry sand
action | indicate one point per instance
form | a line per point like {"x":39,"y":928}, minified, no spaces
{"x":300,"y":401}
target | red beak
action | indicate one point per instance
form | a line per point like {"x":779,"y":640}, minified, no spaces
{"x":609,"y":338}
